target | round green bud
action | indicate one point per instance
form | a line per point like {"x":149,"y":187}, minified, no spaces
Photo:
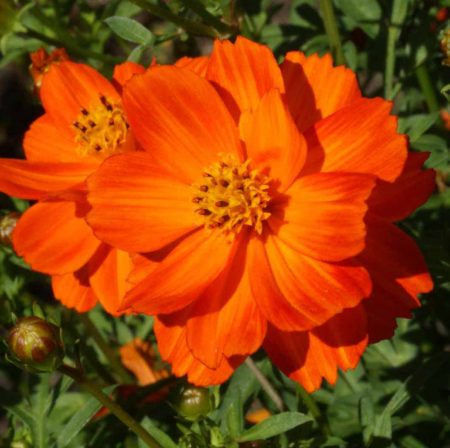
{"x":7,"y":225}
{"x":36,"y":345}
{"x":193,"y":402}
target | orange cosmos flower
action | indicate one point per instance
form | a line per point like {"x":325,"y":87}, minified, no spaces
{"x":263,"y":208}
{"x":84,"y":123}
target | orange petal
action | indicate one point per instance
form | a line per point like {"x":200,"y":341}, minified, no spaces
{"x":35,"y":180}
{"x":317,"y":290}
{"x":180,"y":119}
{"x":307,"y":357}
{"x":360,"y":138}
{"x":197,"y":65}
{"x":54,"y":238}
{"x":124,"y":72}
{"x":73,"y":290}
{"x":67,"y":87}
{"x":108,"y":273}
{"x":396,"y":201}
{"x":225,"y":319}
{"x":178,"y":277}
{"x":174,"y":349}
{"x":315,"y":89}
{"x":137,"y":205}
{"x":323,"y":217}
{"x":399,"y":274}
{"x":274,"y":143}
{"x":243,"y":72}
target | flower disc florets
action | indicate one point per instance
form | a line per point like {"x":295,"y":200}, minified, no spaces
{"x":232,"y":195}
{"x":102,"y":129}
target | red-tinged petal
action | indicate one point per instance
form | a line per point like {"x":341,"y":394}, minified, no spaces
{"x":197,"y":65}
{"x":225,"y":319}
{"x":274,"y":143}
{"x":317,"y":290}
{"x":307,"y":357}
{"x":47,"y":142}
{"x":323,"y":217}
{"x":267,"y":294}
{"x":73,"y":290}
{"x":395,"y":201}
{"x":108,"y":272}
{"x":181,"y":273}
{"x":243,"y":72}
{"x":180,"y":119}
{"x":360,"y":138}
{"x":54,"y":238}
{"x":35,"y":180}
{"x":399,"y":274}
{"x":174,"y":349}
{"x":68,"y":87}
{"x":315,"y":89}
{"x":124,"y":72}
{"x":137,"y":205}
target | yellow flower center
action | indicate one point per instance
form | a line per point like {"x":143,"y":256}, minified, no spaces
{"x":232,"y":195}
{"x":102,"y":129}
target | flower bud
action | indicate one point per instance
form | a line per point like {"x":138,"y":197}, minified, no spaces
{"x":445,"y":46}
{"x":41,"y":62}
{"x":36,"y":345}
{"x":7,"y":225}
{"x":193,"y":402}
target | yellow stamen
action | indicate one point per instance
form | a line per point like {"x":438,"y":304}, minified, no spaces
{"x":102,"y":129}
{"x":232,"y":195}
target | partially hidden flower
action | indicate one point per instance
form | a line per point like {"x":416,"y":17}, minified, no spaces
{"x":84,"y":123}
{"x":41,"y":61}
{"x":263,"y":207}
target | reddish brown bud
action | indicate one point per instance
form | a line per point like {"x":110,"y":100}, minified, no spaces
{"x":36,"y":344}
{"x":7,"y":225}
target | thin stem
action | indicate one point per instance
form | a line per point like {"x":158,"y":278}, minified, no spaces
{"x":106,"y":349}
{"x":117,"y":410}
{"x":265,"y":384}
{"x":424,"y":80}
{"x":331,"y":28}
{"x":200,"y":10}
{"x":309,"y":402}
{"x":194,"y":28}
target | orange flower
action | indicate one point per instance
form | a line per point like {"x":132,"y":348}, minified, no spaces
{"x":262,"y":205}
{"x":84,"y":123}
{"x":41,"y":62}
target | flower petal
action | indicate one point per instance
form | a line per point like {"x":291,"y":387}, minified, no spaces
{"x":243,"y":72}
{"x":274,"y":143}
{"x":137,"y":205}
{"x":54,"y":238}
{"x":174,"y":349}
{"x":73,"y":290}
{"x":180,"y":119}
{"x":180,"y":273}
{"x":124,"y":72}
{"x":360,"y":138}
{"x":307,"y":357}
{"x":323,"y":218}
{"x":35,"y":180}
{"x":317,"y":290}
{"x":315,"y":89}
{"x":395,"y":201}
{"x":197,"y":65}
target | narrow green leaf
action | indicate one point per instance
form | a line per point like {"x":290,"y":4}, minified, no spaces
{"x":235,"y":417}
{"x":272,"y":426}
{"x":130,"y":30}
{"x":383,"y":426}
{"x":160,"y":436}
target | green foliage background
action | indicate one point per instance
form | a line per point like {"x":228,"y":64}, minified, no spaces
{"x":399,"y":395}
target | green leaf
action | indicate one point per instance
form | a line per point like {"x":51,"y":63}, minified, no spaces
{"x":365,"y":14}
{"x":130,"y":30}
{"x":416,"y":125}
{"x":160,"y":436}
{"x":235,"y":417}
{"x":272,"y":426}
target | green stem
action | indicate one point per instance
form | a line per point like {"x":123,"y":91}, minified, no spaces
{"x":331,"y":28}
{"x":109,"y":353}
{"x":194,"y":28}
{"x":398,"y":15}
{"x":424,"y":80}
{"x":200,"y":10}
{"x":117,"y":410}
{"x":265,"y":384}
{"x":314,"y":410}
